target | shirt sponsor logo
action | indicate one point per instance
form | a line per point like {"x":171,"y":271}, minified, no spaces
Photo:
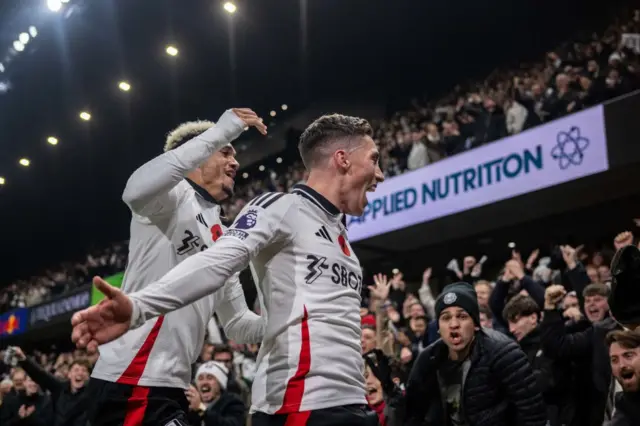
{"x":247,"y":220}
{"x":189,"y":243}
{"x":339,"y":273}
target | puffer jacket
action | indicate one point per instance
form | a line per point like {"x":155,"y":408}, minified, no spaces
{"x":499,"y":390}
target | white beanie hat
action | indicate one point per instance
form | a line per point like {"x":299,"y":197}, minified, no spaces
{"x":217,"y":370}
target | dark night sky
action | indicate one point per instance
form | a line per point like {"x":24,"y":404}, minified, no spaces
{"x":70,"y":196}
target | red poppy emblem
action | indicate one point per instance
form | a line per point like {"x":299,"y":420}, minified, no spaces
{"x":344,"y":246}
{"x":216,"y":232}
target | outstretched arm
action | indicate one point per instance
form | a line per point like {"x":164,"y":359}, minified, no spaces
{"x":207,"y":271}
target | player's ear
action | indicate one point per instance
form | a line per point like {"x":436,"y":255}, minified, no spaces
{"x":341,"y":158}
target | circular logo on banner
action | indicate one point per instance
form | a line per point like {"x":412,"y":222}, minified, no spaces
{"x":247,"y":220}
{"x":449,"y":298}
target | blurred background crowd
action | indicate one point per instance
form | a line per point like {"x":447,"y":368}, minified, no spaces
{"x":399,"y":319}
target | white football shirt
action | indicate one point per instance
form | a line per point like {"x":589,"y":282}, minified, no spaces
{"x":173,"y":219}
{"x":310,"y":284}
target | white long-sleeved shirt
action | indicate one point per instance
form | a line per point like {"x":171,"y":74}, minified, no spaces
{"x":309,"y":283}
{"x":173,"y":219}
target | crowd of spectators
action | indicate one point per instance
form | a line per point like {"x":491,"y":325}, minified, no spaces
{"x":399,"y":318}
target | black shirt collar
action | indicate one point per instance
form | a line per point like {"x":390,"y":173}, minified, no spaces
{"x":315,"y":197}
{"x":202,"y":192}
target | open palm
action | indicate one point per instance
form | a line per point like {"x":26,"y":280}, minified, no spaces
{"x":103,"y":322}
{"x":380,"y":291}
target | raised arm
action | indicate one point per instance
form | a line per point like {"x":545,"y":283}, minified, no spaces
{"x":149,"y":190}
{"x":194,"y":278}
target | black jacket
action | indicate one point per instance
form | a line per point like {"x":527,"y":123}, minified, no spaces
{"x":588,"y":349}
{"x":69,"y":408}
{"x":500,"y":388}
{"x":554,"y":379}
{"x":627,"y":410}
{"x":41,"y":415}
{"x":228,"y":410}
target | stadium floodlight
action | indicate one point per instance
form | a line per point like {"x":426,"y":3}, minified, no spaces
{"x":2,"y":181}
{"x":54,"y":5}
{"x":272,"y":113}
{"x":23,"y":38}
{"x":261,"y":168}
{"x":1,"y":67}
{"x":33,"y":31}
{"x":284,"y":107}
{"x":124,"y":86}
{"x":24,"y":162}
{"x":85,"y":116}
{"x":278,"y":160}
{"x":172,"y":50}
{"x":52,"y":140}
{"x":18,"y":46}
{"x":511,"y":245}
{"x":230,"y":7}
{"x":245,"y":175}
{"x":65,"y":1}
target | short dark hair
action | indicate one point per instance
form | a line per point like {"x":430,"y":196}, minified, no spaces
{"x":626,"y":338}
{"x":422,"y":318}
{"x":596,"y":290}
{"x":487,"y":311}
{"x":222,"y":349}
{"x":328,"y":129}
{"x":520,"y":305}
{"x":82,"y":363}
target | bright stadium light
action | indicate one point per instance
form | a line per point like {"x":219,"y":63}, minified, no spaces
{"x":278,"y":160}
{"x":33,"y":31}
{"x":85,"y":116}
{"x":65,"y":1}
{"x":172,"y":50}
{"x":124,"y":86}
{"x":1,"y":67}
{"x":2,"y":181}
{"x":18,"y":46}
{"x":54,"y":5}
{"x":245,"y":175}
{"x":284,"y":107}
{"x":23,"y":38}
{"x":272,"y":113}
{"x":52,"y":140}
{"x":261,"y":168}
{"x":24,"y":162}
{"x":511,"y":245}
{"x":230,"y":7}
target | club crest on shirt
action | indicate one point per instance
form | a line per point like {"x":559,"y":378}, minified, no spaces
{"x":449,"y":298}
{"x":247,"y":220}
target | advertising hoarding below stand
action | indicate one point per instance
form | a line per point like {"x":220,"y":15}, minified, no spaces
{"x":58,"y":308}
{"x":14,"y":322}
{"x":560,"y":151}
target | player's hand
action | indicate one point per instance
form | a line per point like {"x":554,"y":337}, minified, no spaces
{"x":251,"y":119}
{"x":104,"y":322}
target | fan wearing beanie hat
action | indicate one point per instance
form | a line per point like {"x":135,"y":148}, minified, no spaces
{"x":211,"y":380}
{"x":458,"y":316}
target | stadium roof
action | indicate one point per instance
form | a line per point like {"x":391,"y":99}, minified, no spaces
{"x":65,"y":112}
